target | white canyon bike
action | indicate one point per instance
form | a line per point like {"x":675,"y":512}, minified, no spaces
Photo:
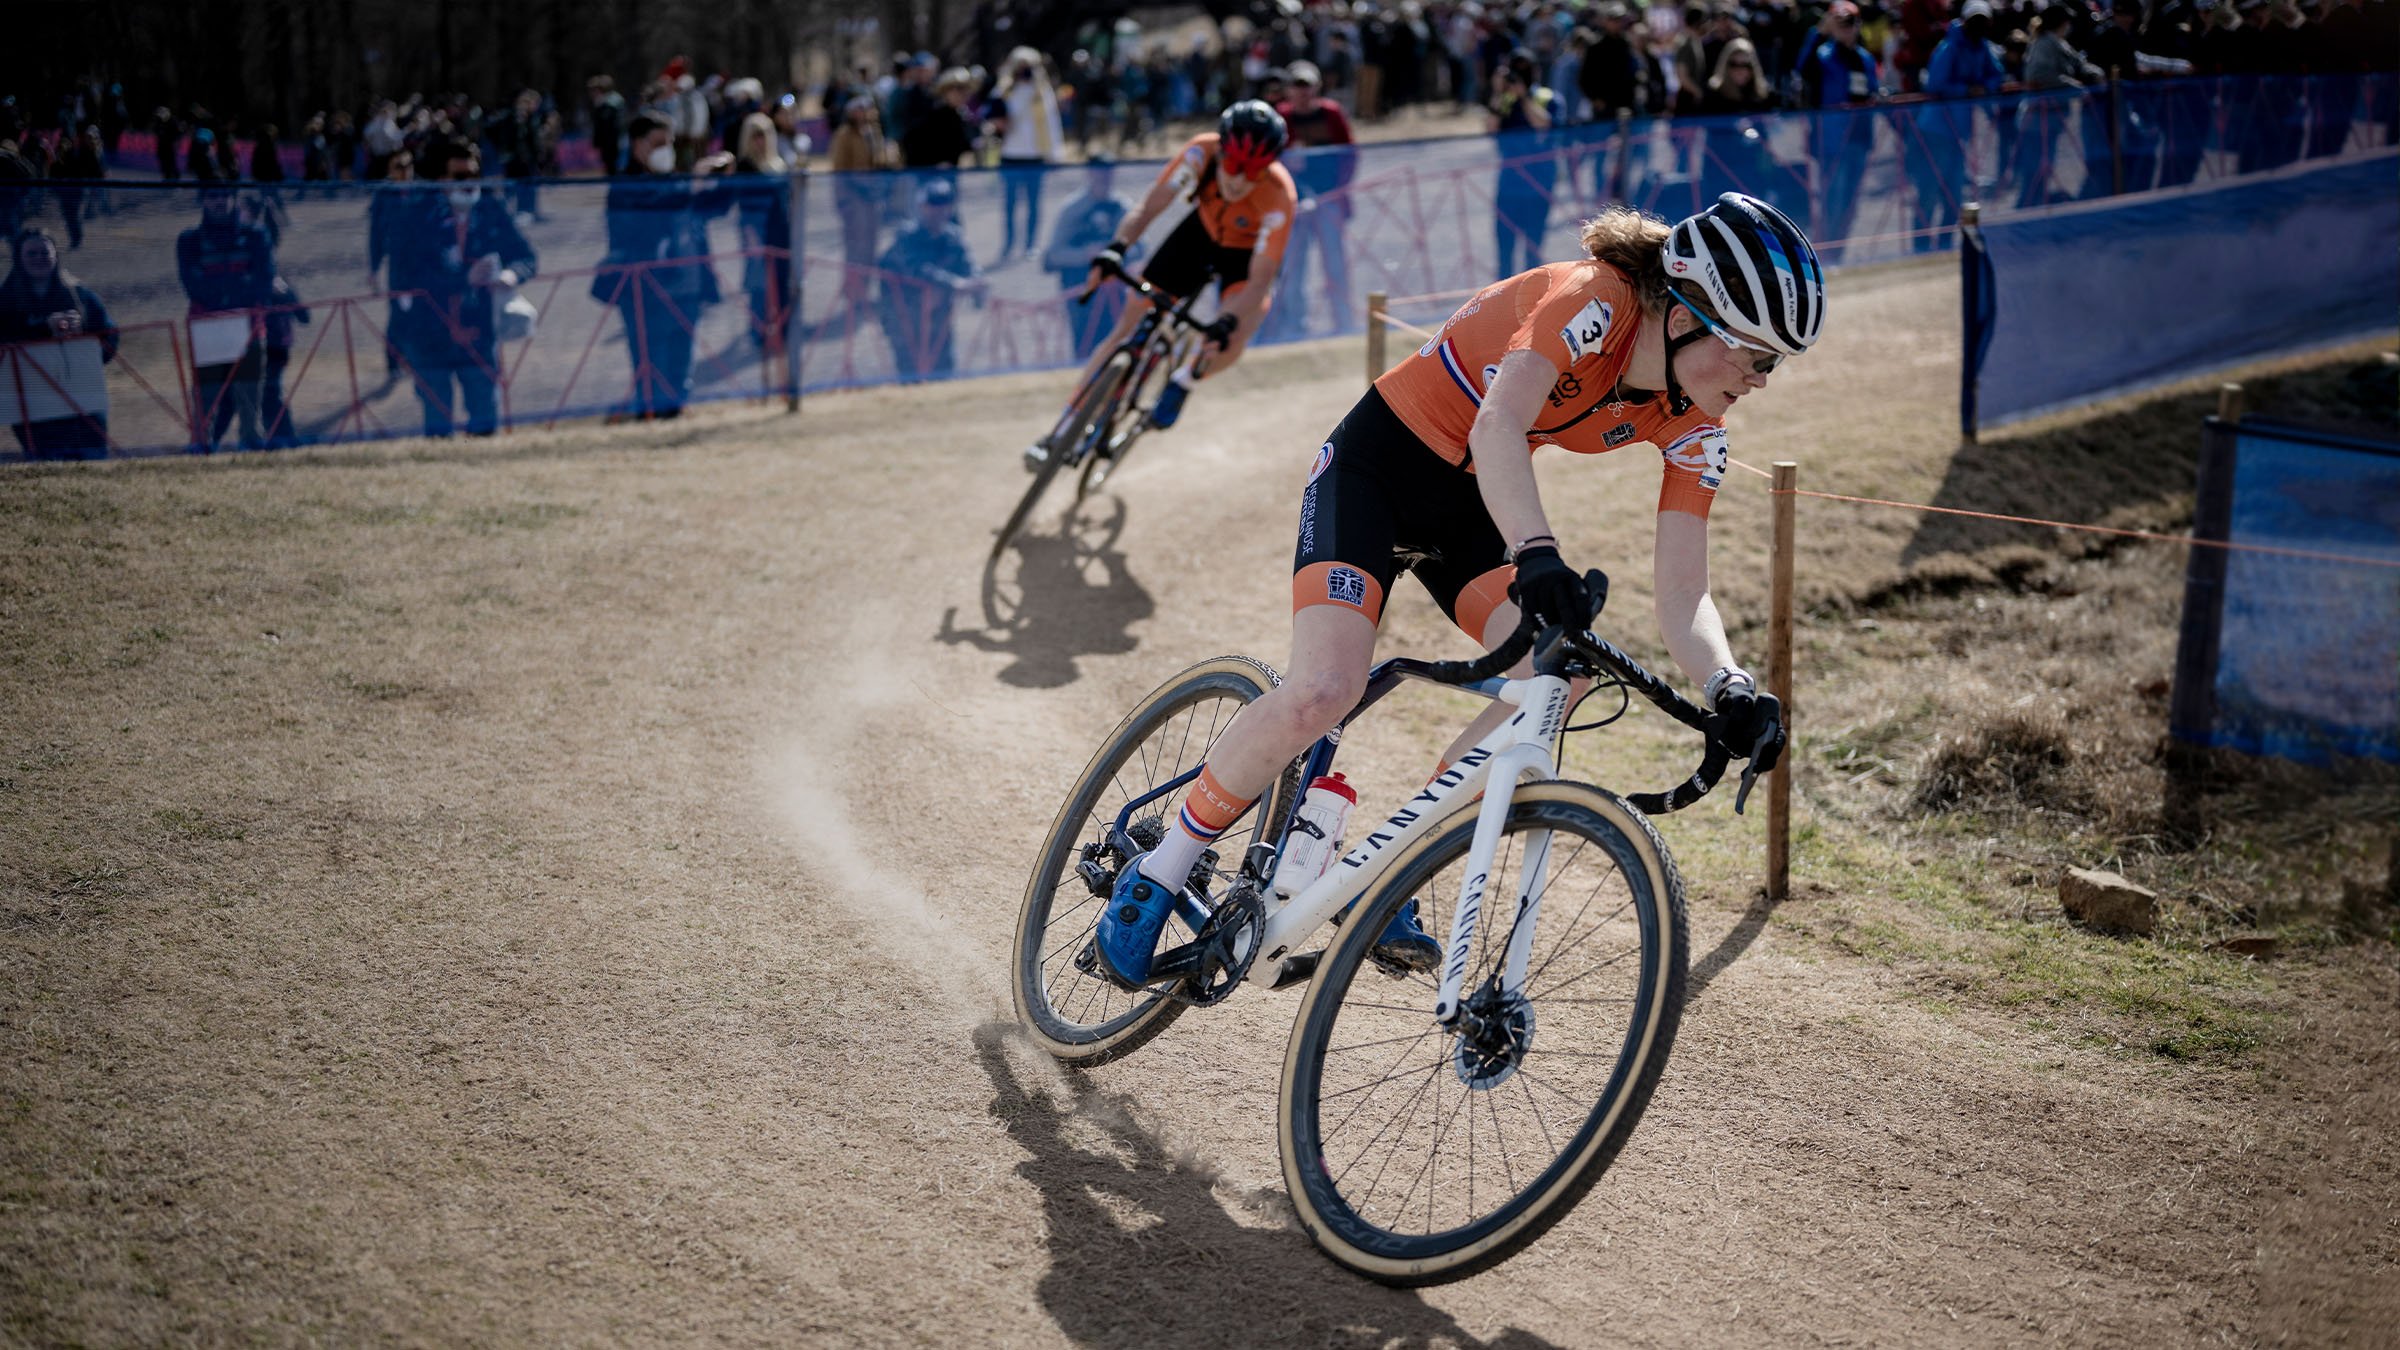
{"x":1431,"y":1124}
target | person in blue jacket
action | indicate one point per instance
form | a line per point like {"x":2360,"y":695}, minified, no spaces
{"x":227,"y":268}
{"x":456,"y":254}
{"x":659,"y":273}
{"x":1964,"y":65}
{"x":1082,"y":229}
{"x":1836,"y":74}
{"x":924,"y":271}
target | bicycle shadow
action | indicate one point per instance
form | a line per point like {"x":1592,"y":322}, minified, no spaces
{"x":1051,"y":598}
{"x":1729,"y":949}
{"x":1142,"y":1253}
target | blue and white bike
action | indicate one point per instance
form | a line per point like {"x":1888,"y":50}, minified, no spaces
{"x":1432,"y":1124}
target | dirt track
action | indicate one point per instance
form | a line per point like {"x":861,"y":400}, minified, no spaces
{"x":559,"y":891}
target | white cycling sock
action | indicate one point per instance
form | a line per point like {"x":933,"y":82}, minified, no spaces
{"x":1208,"y":811}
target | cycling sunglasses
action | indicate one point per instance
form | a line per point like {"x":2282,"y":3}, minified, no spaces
{"x":1765,"y":360}
{"x":1245,"y":161}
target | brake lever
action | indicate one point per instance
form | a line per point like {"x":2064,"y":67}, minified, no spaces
{"x":1750,"y":769}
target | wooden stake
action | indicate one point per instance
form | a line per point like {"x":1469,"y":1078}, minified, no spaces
{"x":1779,"y":683}
{"x":2229,"y":403}
{"x":1375,"y":335}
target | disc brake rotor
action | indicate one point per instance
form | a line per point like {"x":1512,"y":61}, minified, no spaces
{"x":1495,"y":1033}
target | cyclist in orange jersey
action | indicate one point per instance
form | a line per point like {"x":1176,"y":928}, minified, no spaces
{"x":1651,"y":337}
{"x":1240,"y":218}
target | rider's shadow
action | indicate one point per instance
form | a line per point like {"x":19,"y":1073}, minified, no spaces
{"x":1051,"y":598}
{"x":1142,"y":1252}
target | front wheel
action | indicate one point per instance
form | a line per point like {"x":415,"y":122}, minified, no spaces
{"x":1418,"y":1154}
{"x":1077,"y":1014}
{"x":1132,"y":415}
{"x":1091,"y":411}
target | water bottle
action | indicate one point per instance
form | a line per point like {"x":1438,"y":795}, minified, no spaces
{"x":1316,"y":837}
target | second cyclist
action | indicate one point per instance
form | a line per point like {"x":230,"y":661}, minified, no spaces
{"x":1240,"y":204}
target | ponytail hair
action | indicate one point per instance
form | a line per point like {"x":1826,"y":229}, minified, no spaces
{"x":1633,"y":242}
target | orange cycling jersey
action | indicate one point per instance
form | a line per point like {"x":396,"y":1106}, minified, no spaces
{"x":1260,"y":221}
{"x":1581,"y":318}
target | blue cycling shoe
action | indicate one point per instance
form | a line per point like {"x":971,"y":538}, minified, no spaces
{"x":1406,"y":944}
{"x":1403,"y":944}
{"x":1127,"y":940}
{"x":1169,"y":405}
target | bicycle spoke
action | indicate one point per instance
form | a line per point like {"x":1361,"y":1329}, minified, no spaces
{"x":1432,"y":1080}
{"x":1393,"y":1007}
{"x":1533,"y":1106}
{"x":1372,"y":1045}
{"x":1508,"y":1169}
{"x":1344,"y":1122}
{"x":1434,"y":1151}
{"x":1634,"y":950}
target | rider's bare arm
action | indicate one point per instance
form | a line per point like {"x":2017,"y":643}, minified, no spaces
{"x":1162,"y":195}
{"x":1687,"y":617}
{"x":1503,"y":456}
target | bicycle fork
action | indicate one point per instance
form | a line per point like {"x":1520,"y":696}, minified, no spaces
{"x":1508,"y":768}
{"x":1542,"y":715}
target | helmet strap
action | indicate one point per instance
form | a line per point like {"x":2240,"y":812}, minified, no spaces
{"x":1677,"y":404}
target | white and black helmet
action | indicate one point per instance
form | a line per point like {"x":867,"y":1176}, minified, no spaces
{"x":1746,"y":263}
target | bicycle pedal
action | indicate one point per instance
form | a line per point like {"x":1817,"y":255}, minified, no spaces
{"x":1203,"y":872}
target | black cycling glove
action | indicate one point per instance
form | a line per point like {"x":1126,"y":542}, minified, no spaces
{"x":1219,"y":330}
{"x":1110,"y":259}
{"x":1744,"y":716}
{"x":1549,"y":590}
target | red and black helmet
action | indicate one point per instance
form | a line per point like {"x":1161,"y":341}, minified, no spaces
{"x":1249,"y":137}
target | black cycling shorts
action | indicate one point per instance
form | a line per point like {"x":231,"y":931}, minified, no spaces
{"x":1379,"y":501}
{"x":1188,"y":258}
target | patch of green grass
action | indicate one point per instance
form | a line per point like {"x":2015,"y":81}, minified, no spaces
{"x":1942,"y":916}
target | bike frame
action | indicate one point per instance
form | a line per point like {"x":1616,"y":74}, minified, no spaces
{"x":1523,"y":747}
{"x":1147,"y":344}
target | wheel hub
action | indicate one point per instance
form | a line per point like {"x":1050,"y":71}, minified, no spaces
{"x":1495,"y":1032}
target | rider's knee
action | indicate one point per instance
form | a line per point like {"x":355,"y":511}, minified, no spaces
{"x":1316,"y":700}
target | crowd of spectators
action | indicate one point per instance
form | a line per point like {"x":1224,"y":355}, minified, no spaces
{"x":682,"y":148}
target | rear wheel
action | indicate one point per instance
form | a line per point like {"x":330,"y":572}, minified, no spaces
{"x":1418,"y":1154}
{"x":1074,"y":1013}
{"x":1091,"y":411}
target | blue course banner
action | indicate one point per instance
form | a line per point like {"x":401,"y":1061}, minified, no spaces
{"x":2119,"y":296}
{"x":2308,"y":662}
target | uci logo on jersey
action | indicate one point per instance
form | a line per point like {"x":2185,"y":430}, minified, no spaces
{"x":1324,"y":462}
{"x":1345,"y":585}
{"x":1584,"y":333}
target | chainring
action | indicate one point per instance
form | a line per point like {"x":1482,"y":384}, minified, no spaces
{"x":1219,"y":959}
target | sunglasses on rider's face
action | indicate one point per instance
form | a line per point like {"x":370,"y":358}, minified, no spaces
{"x":1764,"y":359}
